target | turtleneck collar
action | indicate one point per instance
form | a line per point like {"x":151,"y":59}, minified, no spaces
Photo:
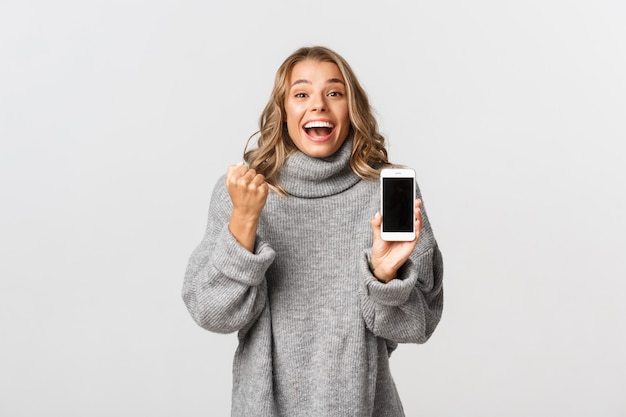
{"x":308,"y":177}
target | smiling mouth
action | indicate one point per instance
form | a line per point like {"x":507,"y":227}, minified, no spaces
{"x":319,"y":129}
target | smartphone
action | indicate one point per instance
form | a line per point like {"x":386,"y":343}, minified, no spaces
{"x":397,"y":204}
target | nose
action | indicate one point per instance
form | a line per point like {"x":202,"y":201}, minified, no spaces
{"x":318,"y":103}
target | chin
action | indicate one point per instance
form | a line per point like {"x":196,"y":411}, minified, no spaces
{"x":318,"y":147}
{"x":321,"y":151}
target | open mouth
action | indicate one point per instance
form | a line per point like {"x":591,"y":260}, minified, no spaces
{"x":319,"y":129}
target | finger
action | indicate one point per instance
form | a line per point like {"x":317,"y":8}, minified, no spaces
{"x":375,"y":223}
{"x":241,"y":176}
{"x":418,"y":218}
{"x":418,"y":225}
{"x":265,"y":188}
{"x":418,"y":209}
{"x":236,"y":170}
{"x":258,"y":179}
{"x":247,"y":175}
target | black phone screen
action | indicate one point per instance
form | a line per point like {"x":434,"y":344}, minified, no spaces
{"x":398,"y":205}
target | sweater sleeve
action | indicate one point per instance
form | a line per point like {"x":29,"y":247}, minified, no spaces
{"x":406,"y":309}
{"x":224,"y":287}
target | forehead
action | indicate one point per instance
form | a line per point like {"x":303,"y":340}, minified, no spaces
{"x":313,"y":71}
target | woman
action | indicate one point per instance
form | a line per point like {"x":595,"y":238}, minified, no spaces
{"x":293,"y":261}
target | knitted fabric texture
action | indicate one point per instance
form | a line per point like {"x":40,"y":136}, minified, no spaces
{"x":315,"y":327}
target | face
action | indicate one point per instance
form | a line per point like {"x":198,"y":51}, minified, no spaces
{"x":316,"y":106}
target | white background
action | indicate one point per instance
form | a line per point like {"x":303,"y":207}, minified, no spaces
{"x":117,"y":117}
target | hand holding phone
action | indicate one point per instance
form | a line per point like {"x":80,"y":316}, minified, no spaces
{"x":397,"y":204}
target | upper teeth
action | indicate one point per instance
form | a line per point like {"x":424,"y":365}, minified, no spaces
{"x":311,"y":125}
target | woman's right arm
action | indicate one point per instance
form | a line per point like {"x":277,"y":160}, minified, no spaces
{"x":224,"y":287}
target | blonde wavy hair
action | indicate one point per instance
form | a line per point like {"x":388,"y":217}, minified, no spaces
{"x":274,"y":145}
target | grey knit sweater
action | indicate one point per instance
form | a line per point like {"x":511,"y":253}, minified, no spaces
{"x":315,"y":327}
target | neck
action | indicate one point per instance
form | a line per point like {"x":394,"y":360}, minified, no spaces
{"x":308,"y":177}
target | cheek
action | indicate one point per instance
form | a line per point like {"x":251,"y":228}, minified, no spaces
{"x":343,"y":113}
{"x":292,"y":112}
{"x":291,"y":120}
{"x":345,"y":121}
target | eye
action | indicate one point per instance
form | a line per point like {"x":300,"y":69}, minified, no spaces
{"x":300,"y":95}
{"x":335,"y":94}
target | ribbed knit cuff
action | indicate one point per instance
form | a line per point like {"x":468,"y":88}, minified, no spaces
{"x":236,"y":262}
{"x":394,"y":292}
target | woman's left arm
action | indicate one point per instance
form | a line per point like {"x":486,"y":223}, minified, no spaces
{"x":401,"y":290}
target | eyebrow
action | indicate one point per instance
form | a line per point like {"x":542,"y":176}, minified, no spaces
{"x":329,"y":81}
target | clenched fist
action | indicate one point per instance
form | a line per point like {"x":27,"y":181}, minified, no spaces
{"x":248,"y":192}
